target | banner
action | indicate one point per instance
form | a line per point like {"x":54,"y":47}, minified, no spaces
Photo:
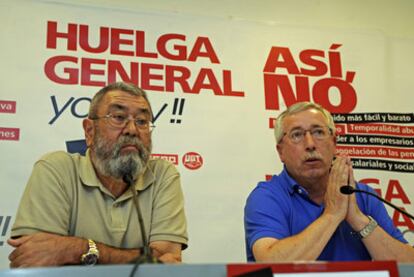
{"x":215,"y":86}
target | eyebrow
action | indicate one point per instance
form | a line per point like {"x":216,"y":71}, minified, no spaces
{"x":300,"y":128}
{"x":120,"y":107}
{"x":117,"y":107}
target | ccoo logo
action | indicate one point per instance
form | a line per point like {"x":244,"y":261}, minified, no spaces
{"x":192,"y":160}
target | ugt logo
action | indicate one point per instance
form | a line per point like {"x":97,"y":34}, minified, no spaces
{"x":192,"y":160}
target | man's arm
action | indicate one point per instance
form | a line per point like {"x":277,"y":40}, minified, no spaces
{"x":167,"y":251}
{"x":305,"y":246}
{"x":309,"y":244}
{"x":380,"y":245}
{"x":45,"y":249}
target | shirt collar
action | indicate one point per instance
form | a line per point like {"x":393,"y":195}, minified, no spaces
{"x":292,"y":184}
{"x":145,"y":179}
{"x":87,"y":172}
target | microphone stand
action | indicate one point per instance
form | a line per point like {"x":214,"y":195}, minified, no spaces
{"x":350,"y":190}
{"x":146,"y":255}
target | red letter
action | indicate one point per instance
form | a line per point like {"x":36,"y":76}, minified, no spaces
{"x":287,"y":62}
{"x":116,"y":42}
{"x":115,"y":68}
{"x":400,"y":194}
{"x":84,"y":39}
{"x":335,"y":61}
{"x":181,"y":50}
{"x":275,"y":82}
{"x":146,"y":76}
{"x":171,"y":78}
{"x":209,"y":53}
{"x":206,"y":74}
{"x":368,"y":181}
{"x":140,"y":46}
{"x":53,"y":34}
{"x":348,"y":95}
{"x":405,"y":220}
{"x":308,"y":58}
{"x":73,"y":73}
{"x":227,"y":84}
{"x":87,"y":71}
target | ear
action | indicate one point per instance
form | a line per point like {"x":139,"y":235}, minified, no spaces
{"x":89,"y":130}
{"x":279,"y":148}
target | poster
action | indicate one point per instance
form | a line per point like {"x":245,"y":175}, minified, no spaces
{"x":215,"y":86}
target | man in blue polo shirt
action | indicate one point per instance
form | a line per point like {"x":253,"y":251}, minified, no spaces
{"x":301,"y":214}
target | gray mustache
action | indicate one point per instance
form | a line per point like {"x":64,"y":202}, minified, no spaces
{"x":313,"y":155}
{"x":124,"y":140}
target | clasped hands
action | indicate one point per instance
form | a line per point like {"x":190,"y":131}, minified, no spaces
{"x":341,"y":206}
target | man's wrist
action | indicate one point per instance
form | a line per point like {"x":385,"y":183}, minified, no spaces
{"x":333,"y":219}
{"x":358,"y":223}
{"x":367,"y":229}
{"x":91,"y":256}
{"x":71,"y":249}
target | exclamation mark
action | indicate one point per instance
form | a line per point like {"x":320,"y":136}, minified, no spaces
{"x":5,"y":227}
{"x":172,"y":120}
{"x":180,"y":110}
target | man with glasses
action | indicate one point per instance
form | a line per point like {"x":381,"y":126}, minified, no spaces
{"x":301,"y":215}
{"x":80,"y":209}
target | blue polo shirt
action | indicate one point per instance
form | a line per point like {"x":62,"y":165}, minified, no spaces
{"x":281,"y":208}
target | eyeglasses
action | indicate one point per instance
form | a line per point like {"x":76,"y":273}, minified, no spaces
{"x":317,"y":133}
{"x":121,"y":121}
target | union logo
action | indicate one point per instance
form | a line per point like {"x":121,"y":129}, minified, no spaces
{"x":192,"y":160}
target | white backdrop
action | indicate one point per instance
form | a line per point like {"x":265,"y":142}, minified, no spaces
{"x":231,"y":135}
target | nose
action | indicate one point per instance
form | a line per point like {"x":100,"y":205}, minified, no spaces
{"x":130,"y":129}
{"x":309,"y":141}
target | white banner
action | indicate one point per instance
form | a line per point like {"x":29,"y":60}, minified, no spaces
{"x":215,"y":85}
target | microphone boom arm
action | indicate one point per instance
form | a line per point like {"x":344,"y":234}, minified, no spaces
{"x":352,"y":190}
{"x":386,"y":202}
{"x":146,"y":248}
{"x":146,"y":255}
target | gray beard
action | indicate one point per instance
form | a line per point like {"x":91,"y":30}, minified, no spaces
{"x":110,"y":162}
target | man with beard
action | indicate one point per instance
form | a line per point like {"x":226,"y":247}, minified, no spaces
{"x":78,"y":209}
{"x":301,"y":213}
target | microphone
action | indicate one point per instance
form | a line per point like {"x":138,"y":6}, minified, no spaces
{"x":347,"y":190}
{"x":146,"y":256}
{"x":350,"y":190}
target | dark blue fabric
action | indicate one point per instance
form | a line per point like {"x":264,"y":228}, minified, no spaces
{"x":76,"y":146}
{"x":281,"y":208}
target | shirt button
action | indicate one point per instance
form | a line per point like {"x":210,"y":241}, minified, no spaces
{"x":300,"y":190}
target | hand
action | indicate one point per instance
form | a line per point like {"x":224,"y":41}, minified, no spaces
{"x":335,"y":202}
{"x":39,"y":249}
{"x":354,"y":215}
{"x":166,"y":251}
{"x":169,"y":258}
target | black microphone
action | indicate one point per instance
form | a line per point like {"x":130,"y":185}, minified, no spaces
{"x":146,"y":256}
{"x":350,"y":190}
{"x":347,"y":190}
